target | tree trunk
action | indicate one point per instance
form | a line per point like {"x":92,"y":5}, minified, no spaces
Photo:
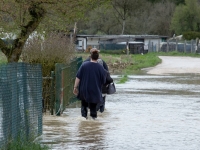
{"x":123,"y":26}
{"x":14,"y":52}
{"x":15,"y":55}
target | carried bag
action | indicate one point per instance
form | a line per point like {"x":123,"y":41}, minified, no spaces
{"x":111,"y":88}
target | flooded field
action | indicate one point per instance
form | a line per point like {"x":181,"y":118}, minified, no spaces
{"x":149,"y":112}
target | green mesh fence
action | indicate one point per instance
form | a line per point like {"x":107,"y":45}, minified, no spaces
{"x":20,"y":102}
{"x":49,"y":93}
{"x":112,"y":46}
{"x":64,"y":80}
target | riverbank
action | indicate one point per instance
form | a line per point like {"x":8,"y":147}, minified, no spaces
{"x":150,"y":63}
{"x":122,"y":64}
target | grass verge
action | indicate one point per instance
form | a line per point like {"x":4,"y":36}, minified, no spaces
{"x":122,"y":64}
{"x":25,"y":145}
{"x":134,"y":62}
{"x":175,"y":53}
{"x":123,"y":79}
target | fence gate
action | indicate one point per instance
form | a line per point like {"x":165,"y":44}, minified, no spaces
{"x":64,"y":80}
{"x":48,"y":93}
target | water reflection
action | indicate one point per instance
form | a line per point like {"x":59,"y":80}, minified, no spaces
{"x":91,"y":135}
{"x":147,"y":112}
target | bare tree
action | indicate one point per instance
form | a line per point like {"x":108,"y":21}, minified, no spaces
{"x":101,"y":21}
{"x":161,"y":15}
{"x":124,"y":8}
{"x":153,"y":18}
{"x":131,"y":17}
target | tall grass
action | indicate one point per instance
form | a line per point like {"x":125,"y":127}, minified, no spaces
{"x":18,"y":145}
{"x":22,"y":143}
{"x":55,"y":48}
{"x":3,"y":58}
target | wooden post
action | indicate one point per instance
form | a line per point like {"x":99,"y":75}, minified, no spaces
{"x":149,"y":46}
{"x":185,"y":46}
{"x":127,"y":48}
{"x":167,"y":45}
{"x":197,"y":43}
{"x":191,"y":46}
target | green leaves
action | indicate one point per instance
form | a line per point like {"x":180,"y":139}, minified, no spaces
{"x":26,"y":16}
{"x":186,"y":17}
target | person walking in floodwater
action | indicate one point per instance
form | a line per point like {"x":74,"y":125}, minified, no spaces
{"x":101,"y":105}
{"x":89,"y":59}
{"x":88,"y":84}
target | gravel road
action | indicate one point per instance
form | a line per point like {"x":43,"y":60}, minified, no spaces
{"x":175,"y":65}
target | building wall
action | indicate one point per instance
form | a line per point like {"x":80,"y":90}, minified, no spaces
{"x":93,"y":42}
{"x":81,"y":44}
{"x":152,"y":44}
{"x":86,"y":42}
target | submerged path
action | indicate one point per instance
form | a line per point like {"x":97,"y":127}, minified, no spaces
{"x":156,"y":111}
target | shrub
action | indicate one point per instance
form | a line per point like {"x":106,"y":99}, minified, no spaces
{"x":54,"y":48}
{"x":191,"y":35}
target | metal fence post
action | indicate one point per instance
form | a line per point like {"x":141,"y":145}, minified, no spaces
{"x":26,"y":106}
{"x":158,"y":49}
{"x":191,"y":45}
{"x":57,"y":89}
{"x":167,"y":45}
{"x":52,"y":91}
{"x":185,"y":46}
{"x":152,"y":48}
{"x":149,"y":46}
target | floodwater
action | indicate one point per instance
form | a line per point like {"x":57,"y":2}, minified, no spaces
{"x":149,"y":112}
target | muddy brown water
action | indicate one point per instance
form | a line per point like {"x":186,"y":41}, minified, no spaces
{"x":149,"y":112}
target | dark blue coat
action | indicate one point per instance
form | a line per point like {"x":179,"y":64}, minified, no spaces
{"x":92,"y":77}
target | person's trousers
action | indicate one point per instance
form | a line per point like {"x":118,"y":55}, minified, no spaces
{"x":101,"y":106}
{"x":84,"y":109}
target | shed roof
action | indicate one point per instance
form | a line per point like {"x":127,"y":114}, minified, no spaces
{"x":122,"y":36}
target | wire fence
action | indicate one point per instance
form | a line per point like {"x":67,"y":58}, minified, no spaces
{"x":58,"y":88}
{"x":65,"y":75}
{"x":154,"y":45}
{"x":20,"y":102}
{"x":174,"y":45}
{"x":23,"y":97}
